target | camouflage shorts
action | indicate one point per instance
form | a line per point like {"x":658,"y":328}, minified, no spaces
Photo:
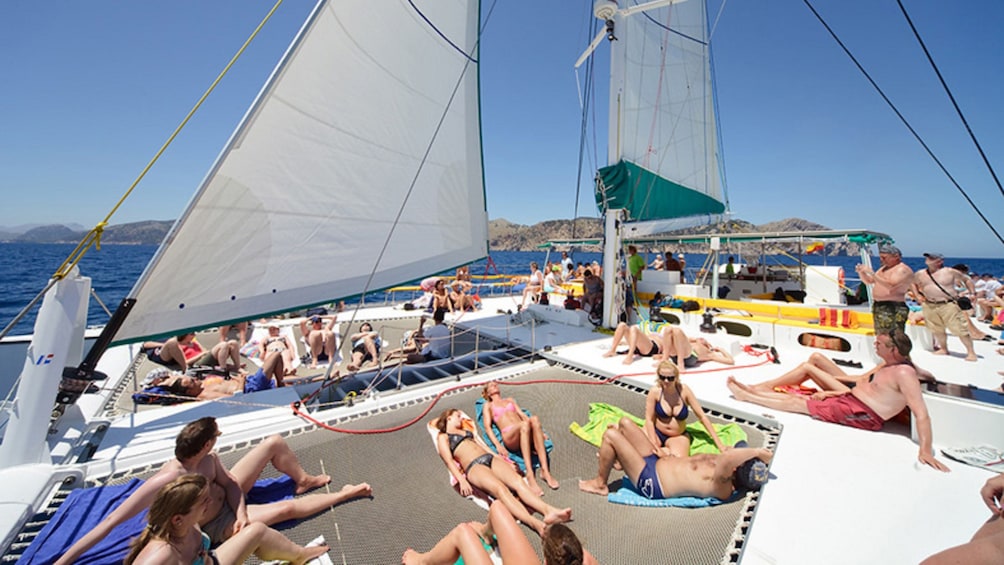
{"x":888,"y":315}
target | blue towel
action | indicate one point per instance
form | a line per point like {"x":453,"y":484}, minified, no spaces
{"x":628,"y":495}
{"x":514,"y":456}
{"x":85,"y":508}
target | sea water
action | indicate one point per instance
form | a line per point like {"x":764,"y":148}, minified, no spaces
{"x":27,"y":267}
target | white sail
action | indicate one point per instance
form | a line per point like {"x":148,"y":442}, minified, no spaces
{"x":374,"y":107}
{"x":663,"y":150}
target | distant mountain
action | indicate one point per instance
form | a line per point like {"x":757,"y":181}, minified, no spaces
{"x":149,"y":232}
{"x":503,"y":235}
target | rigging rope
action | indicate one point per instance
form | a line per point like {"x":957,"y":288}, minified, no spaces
{"x":948,"y":91}
{"x":905,"y":123}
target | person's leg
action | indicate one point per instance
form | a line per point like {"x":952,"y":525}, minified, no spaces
{"x":462,"y":541}
{"x":615,"y":447}
{"x":638,"y":341}
{"x":818,"y":368}
{"x":370,"y":346}
{"x":968,"y":343}
{"x":171,"y":352}
{"x":510,"y":478}
{"x":513,"y":545}
{"x":537,"y":432}
{"x":267,"y":544}
{"x":525,"y":447}
{"x":315,"y":340}
{"x":775,"y":400}
{"x":330,"y":344}
{"x":680,"y":346}
{"x":274,"y":450}
{"x":619,"y":334}
{"x":485,"y":479}
{"x":305,"y":506}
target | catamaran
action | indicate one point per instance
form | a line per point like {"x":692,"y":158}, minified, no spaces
{"x":356,"y":116}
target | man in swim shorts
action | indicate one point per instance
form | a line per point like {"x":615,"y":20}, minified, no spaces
{"x":657,"y":476}
{"x":878,"y":395}
{"x":226,"y":512}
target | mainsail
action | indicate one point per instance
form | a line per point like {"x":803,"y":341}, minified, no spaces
{"x":663,"y":152}
{"x":365,"y":139}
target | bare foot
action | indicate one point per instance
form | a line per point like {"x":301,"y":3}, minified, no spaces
{"x":311,"y":552}
{"x":593,"y":486}
{"x":940,"y":352}
{"x":739,"y":390}
{"x":556,"y":516}
{"x":551,"y":481}
{"x":610,"y":353}
{"x":311,"y":482}
{"x":629,"y":358}
{"x":411,"y":557}
{"x":971,"y":357}
{"x":356,"y":491}
{"x":313,"y":364}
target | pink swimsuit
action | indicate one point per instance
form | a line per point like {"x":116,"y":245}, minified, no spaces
{"x":497,"y":414}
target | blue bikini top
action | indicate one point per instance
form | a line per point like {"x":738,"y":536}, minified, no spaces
{"x":662,"y":414}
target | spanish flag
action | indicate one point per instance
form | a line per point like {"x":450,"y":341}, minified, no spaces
{"x":815,"y":247}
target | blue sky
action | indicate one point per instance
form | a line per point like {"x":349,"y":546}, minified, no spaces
{"x":91,"y":90}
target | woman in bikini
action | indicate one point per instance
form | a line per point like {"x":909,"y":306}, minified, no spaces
{"x":281,"y":344}
{"x":473,"y":542}
{"x":639,"y":343}
{"x":667,"y":407}
{"x":688,"y":352}
{"x":172,"y":534}
{"x":519,"y":432}
{"x":492,"y":474}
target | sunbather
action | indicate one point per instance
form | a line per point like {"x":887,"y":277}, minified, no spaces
{"x":472,"y":540}
{"x":519,"y":432}
{"x":657,"y":477}
{"x":321,"y":339}
{"x":459,"y":295}
{"x":183,"y":351}
{"x":213,"y":386}
{"x":534,"y":284}
{"x":987,"y":545}
{"x":688,"y":352}
{"x":281,"y":343}
{"x":482,"y":469}
{"x":365,"y":347}
{"x":226,"y":511}
{"x":878,"y":395}
{"x":441,"y":297}
{"x":173,"y":535}
{"x":667,"y":406}
{"x":639,"y":343}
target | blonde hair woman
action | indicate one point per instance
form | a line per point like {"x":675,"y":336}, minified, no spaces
{"x":667,"y":408}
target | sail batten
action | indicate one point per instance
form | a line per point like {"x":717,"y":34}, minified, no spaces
{"x":370,"y":113}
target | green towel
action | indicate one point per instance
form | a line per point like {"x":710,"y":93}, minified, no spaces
{"x":602,"y":416}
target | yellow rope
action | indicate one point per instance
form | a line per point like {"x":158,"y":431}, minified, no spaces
{"x":94,"y":235}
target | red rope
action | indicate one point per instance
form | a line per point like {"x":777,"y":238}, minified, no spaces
{"x":306,"y":416}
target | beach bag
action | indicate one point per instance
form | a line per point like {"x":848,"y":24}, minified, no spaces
{"x":690,"y":306}
{"x":964,"y":303}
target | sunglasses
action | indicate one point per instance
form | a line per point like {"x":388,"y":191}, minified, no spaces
{"x":667,"y":378}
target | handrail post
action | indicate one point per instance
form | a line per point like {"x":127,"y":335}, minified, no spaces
{"x":533,"y":339}
{"x":477,"y":347}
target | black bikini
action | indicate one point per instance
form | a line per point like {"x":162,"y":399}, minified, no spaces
{"x":455,"y":441}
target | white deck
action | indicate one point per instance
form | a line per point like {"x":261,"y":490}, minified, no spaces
{"x":862,"y":489}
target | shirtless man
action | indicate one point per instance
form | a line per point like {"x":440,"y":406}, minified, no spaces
{"x":213,"y":387}
{"x":987,"y":545}
{"x":878,"y":396}
{"x":888,"y":286}
{"x":688,"y":352}
{"x":934,"y":288}
{"x":321,"y":340}
{"x":656,"y":477}
{"x":226,"y":511}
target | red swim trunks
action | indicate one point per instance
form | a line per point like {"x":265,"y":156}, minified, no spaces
{"x":847,"y":410}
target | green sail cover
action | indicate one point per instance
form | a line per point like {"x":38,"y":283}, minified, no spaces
{"x":646,"y":196}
